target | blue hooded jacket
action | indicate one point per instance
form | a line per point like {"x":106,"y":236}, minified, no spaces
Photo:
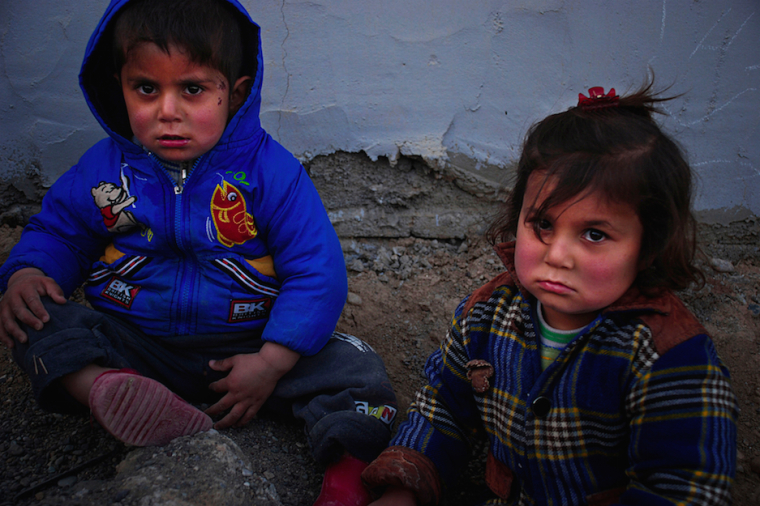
{"x":243,"y":245}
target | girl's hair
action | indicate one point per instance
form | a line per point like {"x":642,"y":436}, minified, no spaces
{"x":207,"y":30}
{"x":620,"y":152}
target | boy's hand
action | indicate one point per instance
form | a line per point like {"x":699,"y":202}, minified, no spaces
{"x":22,"y":302}
{"x":250,"y":382}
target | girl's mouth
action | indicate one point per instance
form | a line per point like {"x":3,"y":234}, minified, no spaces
{"x":555,"y":287}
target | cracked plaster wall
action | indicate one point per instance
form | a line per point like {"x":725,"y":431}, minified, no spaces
{"x":454,"y":83}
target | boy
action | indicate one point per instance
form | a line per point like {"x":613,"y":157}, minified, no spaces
{"x":209,"y":259}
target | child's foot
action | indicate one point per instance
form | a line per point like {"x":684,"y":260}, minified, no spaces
{"x":342,"y":485}
{"x":141,"y":411}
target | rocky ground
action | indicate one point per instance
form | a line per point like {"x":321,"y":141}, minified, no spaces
{"x":402,"y":295}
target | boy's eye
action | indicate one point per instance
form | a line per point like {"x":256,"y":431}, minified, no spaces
{"x":193,"y":89}
{"x":594,"y":235}
{"x":543,"y":224}
{"x":146,"y":89}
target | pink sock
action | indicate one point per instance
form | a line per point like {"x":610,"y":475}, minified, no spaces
{"x":141,"y":411}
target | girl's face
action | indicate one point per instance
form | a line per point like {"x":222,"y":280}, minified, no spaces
{"x":588,"y":259}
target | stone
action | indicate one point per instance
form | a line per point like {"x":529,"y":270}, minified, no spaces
{"x":354,"y":299}
{"x":15,"y":449}
{"x":67,"y":482}
{"x":755,"y":465}
{"x":207,"y":467}
{"x":721,"y":265}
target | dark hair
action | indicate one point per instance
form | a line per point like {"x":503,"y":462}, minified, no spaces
{"x":207,"y":30}
{"x":621,"y":152}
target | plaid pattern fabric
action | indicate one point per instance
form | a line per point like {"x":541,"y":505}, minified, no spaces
{"x":610,"y":412}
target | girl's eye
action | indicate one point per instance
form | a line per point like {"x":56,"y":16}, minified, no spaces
{"x":541,"y":226}
{"x":146,"y":89}
{"x":594,"y":235}
{"x":193,"y":89}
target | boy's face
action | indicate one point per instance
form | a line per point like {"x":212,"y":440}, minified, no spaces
{"x":588,"y":259}
{"x":177,"y":108}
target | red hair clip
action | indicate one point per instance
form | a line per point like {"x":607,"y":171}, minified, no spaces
{"x":597,"y":99}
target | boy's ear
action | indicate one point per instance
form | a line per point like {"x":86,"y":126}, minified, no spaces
{"x":239,"y":93}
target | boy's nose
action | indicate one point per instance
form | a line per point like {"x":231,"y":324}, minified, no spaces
{"x":169,"y":108}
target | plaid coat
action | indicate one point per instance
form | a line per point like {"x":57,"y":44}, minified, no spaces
{"x":637,"y":409}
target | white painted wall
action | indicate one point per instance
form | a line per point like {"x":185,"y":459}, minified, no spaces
{"x":455,"y":82}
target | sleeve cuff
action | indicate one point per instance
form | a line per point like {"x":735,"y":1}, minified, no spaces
{"x":406,"y":468}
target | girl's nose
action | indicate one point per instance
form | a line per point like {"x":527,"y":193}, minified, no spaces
{"x":559,"y":253}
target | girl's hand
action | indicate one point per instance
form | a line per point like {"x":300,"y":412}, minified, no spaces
{"x":395,"y":496}
{"x":22,"y":302}
{"x":250,"y":382}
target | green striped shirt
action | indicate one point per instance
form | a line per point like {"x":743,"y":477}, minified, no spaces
{"x":553,"y":341}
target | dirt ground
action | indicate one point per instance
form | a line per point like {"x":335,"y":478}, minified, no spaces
{"x":403,"y":292}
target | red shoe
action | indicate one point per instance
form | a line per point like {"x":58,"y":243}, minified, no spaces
{"x":141,"y":411}
{"x":342,"y":485}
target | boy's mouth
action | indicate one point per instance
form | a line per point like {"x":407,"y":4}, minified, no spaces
{"x":172,"y":141}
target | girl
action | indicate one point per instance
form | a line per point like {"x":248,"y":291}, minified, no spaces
{"x":591,"y":380}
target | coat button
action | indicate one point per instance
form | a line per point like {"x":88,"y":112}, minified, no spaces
{"x":541,"y":407}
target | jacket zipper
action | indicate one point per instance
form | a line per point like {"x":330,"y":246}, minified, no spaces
{"x":181,"y":318}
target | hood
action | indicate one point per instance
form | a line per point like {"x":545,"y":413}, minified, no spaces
{"x":103,"y":92}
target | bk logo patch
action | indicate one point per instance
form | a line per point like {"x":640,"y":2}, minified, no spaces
{"x":247,"y":310}
{"x":120,"y":292}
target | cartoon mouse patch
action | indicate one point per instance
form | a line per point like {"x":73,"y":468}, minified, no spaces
{"x":233,"y":223}
{"x":113,"y":200}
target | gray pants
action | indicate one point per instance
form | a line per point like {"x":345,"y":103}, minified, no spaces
{"x":342,"y":393}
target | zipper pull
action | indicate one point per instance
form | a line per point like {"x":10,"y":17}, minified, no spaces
{"x":181,"y":182}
